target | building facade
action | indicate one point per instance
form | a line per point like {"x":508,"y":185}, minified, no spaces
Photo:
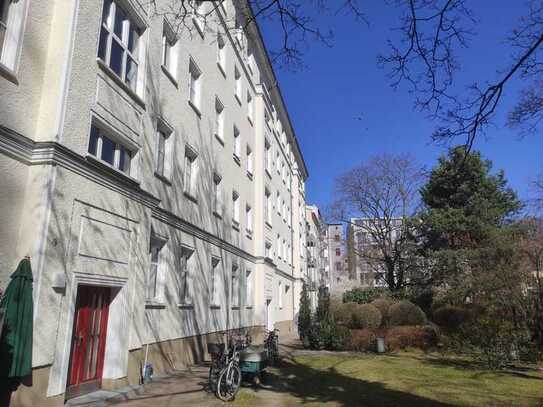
{"x":338,"y":277}
{"x":317,"y":253}
{"x":365,"y":234}
{"x":153,"y":176}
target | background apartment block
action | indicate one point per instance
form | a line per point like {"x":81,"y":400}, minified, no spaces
{"x":151,"y":171}
{"x":363,"y":232}
{"x":317,"y":253}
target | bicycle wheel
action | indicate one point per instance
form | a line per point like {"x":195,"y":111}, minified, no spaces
{"x":214,"y":371}
{"x":229,"y":382}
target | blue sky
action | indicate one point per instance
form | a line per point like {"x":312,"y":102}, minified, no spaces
{"x":343,"y":82}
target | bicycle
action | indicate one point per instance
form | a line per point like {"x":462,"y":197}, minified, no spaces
{"x":230,"y":376}
{"x":271,"y":344}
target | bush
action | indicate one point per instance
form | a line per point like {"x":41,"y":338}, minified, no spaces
{"x":326,"y":334}
{"x":363,"y":295}
{"x":383,"y":305}
{"x":450,"y":317}
{"x":406,"y":313}
{"x":365,"y":316}
{"x":342,"y":312}
{"x":363,"y":340}
{"x":420,"y":337}
{"x":424,"y":299}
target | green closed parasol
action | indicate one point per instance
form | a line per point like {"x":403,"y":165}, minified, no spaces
{"x":16,"y":340}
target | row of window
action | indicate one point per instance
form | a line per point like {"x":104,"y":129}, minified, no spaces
{"x":239,"y":293}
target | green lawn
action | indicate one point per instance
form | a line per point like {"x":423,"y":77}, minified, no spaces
{"x":404,"y":379}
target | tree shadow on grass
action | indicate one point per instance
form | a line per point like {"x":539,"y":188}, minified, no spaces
{"x":524,"y":372}
{"x":310,"y":385}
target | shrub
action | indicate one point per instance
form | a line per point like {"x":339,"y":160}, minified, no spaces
{"x":365,"y":316}
{"x":450,"y":317}
{"x":420,"y":337}
{"x":424,"y":299}
{"x":326,"y":334}
{"x":406,"y":313}
{"x":383,"y":305}
{"x":363,"y":295}
{"x":304,"y":316}
{"x":342,"y":312}
{"x":363,"y":340}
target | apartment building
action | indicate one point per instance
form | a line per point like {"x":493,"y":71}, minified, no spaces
{"x":317,"y":253}
{"x":365,"y":233}
{"x":338,"y":277}
{"x":153,"y":176}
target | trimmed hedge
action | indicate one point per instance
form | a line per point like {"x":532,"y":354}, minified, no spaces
{"x":343,"y":312}
{"x":383,"y":305}
{"x":363,"y":340}
{"x":406,"y":313}
{"x":365,"y":316}
{"x":420,"y":337}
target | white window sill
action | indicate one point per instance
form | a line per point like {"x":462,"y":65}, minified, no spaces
{"x":195,"y":108}
{"x":235,"y":225}
{"x":268,"y":173}
{"x":199,"y":26}
{"x":219,"y":139}
{"x":108,"y":167}
{"x":238,"y":99}
{"x":163,"y":178}
{"x":185,"y":306}
{"x":169,"y":75}
{"x":215,"y":306}
{"x":221,"y":68}
{"x":190,"y":196}
{"x":268,"y":224}
{"x":155,"y":304}
{"x":250,"y":175}
{"x":237,"y":159}
{"x":250,"y":121}
{"x":217,"y":214}
{"x":8,"y":73}
{"x":106,"y":69}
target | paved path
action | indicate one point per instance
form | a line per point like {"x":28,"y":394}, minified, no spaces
{"x":186,"y":387}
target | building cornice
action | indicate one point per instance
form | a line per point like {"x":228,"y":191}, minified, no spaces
{"x":31,"y":153}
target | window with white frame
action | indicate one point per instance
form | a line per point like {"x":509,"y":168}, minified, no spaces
{"x":248,"y":288}
{"x":284,"y":210}
{"x":280,"y":294}
{"x":237,"y":144}
{"x":169,"y":50}
{"x":267,"y":156}
{"x":214,"y":280}
{"x":235,"y":208}
{"x":119,"y":46}
{"x":164,"y":150}
{"x":268,"y":250}
{"x":221,"y":52}
{"x":219,"y":119}
{"x":12,"y":15}
{"x":267,"y":119}
{"x":184,"y":275}
{"x":278,"y":160}
{"x":249,"y":160}
{"x":250,"y":107}
{"x":234,"y":287}
{"x":238,"y":86}
{"x":191,"y":168}
{"x":217,"y":202}
{"x":284,"y":250}
{"x":278,"y":245}
{"x":268,"y":206}
{"x":105,"y":148}
{"x":278,"y":203}
{"x":249,"y":218}
{"x":155,"y":258}
{"x":195,"y":84}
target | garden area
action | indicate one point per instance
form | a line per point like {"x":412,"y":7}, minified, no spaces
{"x":412,"y":379}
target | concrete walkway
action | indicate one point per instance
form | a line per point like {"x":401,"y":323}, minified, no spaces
{"x":182,"y":387}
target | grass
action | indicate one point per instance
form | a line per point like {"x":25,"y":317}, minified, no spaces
{"x":404,"y":379}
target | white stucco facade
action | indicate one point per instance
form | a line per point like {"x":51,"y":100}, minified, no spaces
{"x":84,"y":221}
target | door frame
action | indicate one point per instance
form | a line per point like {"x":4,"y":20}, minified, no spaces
{"x":117,"y":337}
{"x":89,"y":385}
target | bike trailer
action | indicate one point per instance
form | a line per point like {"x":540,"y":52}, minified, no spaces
{"x":253,"y":359}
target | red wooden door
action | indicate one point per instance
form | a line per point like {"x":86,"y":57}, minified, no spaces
{"x":88,"y":340}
